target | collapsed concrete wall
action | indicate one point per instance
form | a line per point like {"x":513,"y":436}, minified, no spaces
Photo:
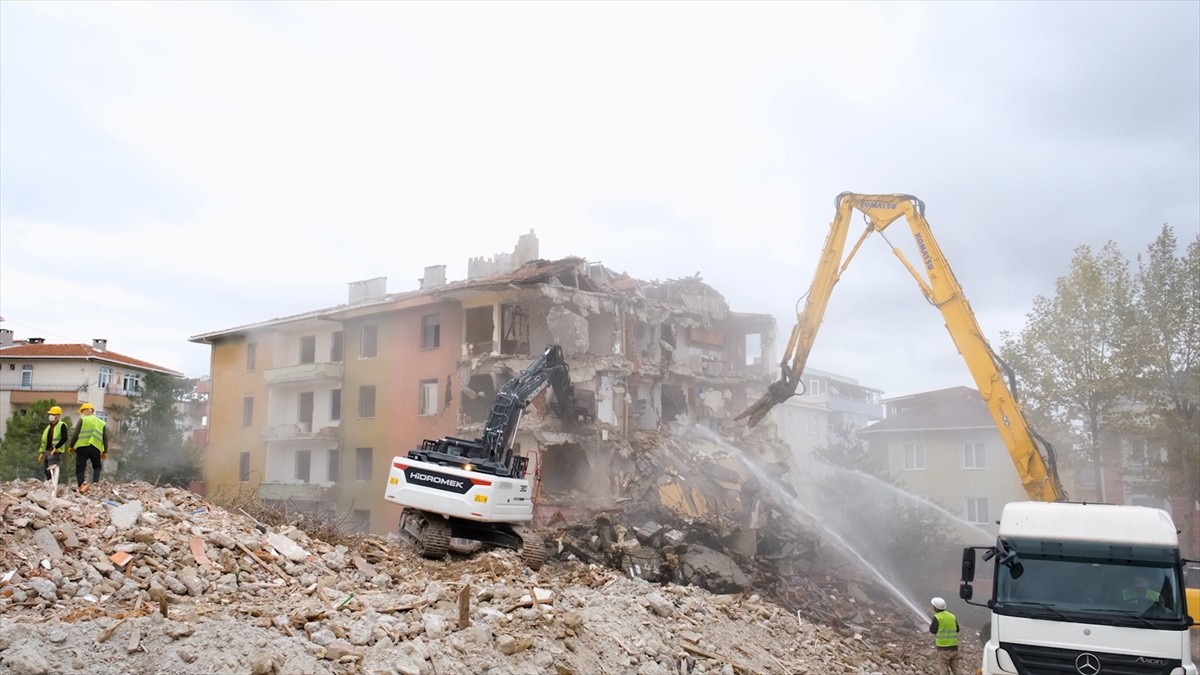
{"x":642,"y":355}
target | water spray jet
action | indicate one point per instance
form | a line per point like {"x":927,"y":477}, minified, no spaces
{"x":781,"y":497}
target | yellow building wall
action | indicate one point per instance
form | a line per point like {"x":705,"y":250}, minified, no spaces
{"x":228,"y":438}
{"x":944,"y":479}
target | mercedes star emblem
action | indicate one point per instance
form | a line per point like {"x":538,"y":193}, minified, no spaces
{"x":1087,"y":664}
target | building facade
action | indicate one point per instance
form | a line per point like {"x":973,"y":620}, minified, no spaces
{"x":830,"y":409}
{"x":311,"y":409}
{"x":944,"y":447}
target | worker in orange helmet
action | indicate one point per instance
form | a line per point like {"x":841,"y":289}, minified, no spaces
{"x":89,"y":443}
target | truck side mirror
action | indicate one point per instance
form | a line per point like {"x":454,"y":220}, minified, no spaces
{"x":1015,"y":570}
{"x":968,"y":568}
{"x":965,"y":591}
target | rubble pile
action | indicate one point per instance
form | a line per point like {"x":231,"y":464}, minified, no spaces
{"x":730,"y":536}
{"x":138,"y":578}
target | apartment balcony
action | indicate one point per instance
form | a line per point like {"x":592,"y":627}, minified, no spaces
{"x":304,"y":372}
{"x":295,"y":491}
{"x":23,"y":395}
{"x":846,"y":405}
{"x":39,"y":386}
{"x":298,"y":431}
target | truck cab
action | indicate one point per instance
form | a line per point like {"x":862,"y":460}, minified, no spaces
{"x":1084,"y":588}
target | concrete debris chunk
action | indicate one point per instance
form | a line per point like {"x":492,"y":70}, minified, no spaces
{"x":660,"y":605}
{"x":126,"y":515}
{"x":45,"y":540}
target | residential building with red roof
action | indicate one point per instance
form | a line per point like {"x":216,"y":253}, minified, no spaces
{"x":32,"y":370}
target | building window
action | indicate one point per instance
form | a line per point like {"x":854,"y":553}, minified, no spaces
{"x":363,"y":458}
{"x":131,"y":383}
{"x":974,"y":456}
{"x":303,"y":465}
{"x":26,"y":376}
{"x":427,"y":398}
{"x":335,"y":404}
{"x":787,"y":422}
{"x":366,"y":401}
{"x":335,"y":347}
{"x":914,"y":457}
{"x":304,"y":410}
{"x":105,"y":379}
{"x":431,"y":331}
{"x":247,"y":411}
{"x":333,"y":467}
{"x":251,"y":353}
{"x":816,"y":387}
{"x":244,"y":467}
{"x":812,"y":424}
{"x":308,"y":349}
{"x":360,"y":520}
{"x":369,"y":347}
{"x":976,"y":509}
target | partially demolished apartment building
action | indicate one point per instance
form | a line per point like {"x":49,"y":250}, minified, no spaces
{"x":311,"y":409}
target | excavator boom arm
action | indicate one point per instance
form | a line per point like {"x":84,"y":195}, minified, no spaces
{"x":549,"y":369}
{"x":1037,"y":473}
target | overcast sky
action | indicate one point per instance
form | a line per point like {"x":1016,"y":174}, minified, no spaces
{"x":171,"y":169}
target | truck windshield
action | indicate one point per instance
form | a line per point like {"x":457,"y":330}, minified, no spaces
{"x":1089,"y":584}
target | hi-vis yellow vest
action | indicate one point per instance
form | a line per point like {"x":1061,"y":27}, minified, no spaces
{"x":947,"y":635}
{"x":1135,"y":594}
{"x":60,"y":429}
{"x":91,"y":432}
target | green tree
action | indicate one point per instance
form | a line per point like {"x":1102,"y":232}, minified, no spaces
{"x":22,"y":436}
{"x":1168,"y":350}
{"x":847,"y":451}
{"x":1075,"y":354}
{"x":152,"y":446}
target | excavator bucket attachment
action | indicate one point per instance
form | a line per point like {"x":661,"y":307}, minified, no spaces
{"x":779,"y":391}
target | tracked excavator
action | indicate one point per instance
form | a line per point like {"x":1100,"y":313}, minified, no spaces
{"x":461,"y":494}
{"x":1057,"y":604}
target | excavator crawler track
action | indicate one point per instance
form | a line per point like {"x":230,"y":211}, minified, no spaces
{"x":533,"y":549}
{"x":435,"y":537}
{"x":428,"y":533}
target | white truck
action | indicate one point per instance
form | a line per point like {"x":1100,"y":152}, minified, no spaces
{"x":1085,"y":589}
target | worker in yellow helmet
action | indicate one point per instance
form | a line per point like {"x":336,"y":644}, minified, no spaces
{"x":89,"y":442}
{"x":54,"y":442}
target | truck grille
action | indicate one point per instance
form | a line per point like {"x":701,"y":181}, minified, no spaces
{"x":1032,"y":660}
